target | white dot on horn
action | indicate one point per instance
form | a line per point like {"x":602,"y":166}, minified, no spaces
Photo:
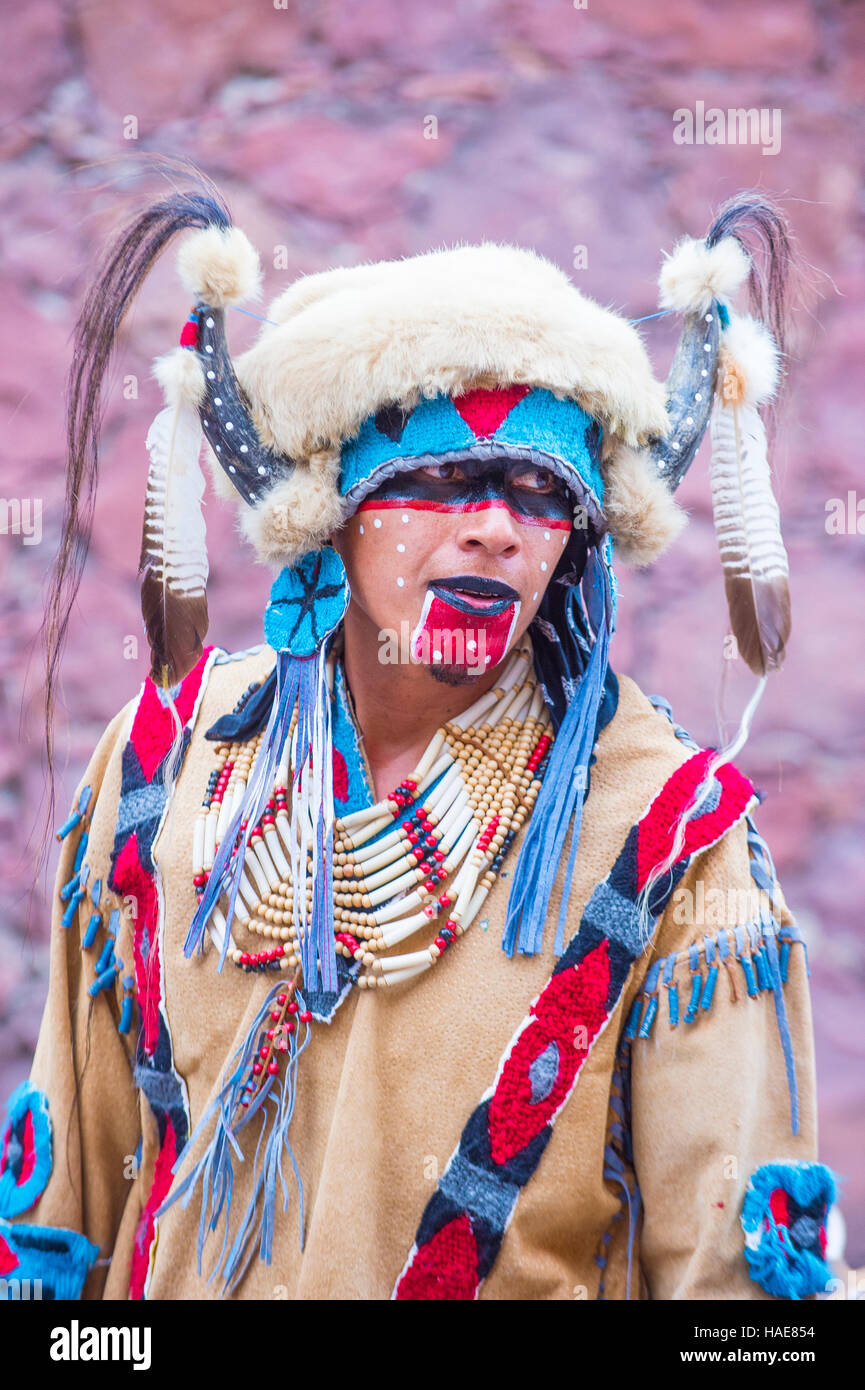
{"x":244,"y":448}
{"x":211,"y":376}
{"x":217,"y":400}
{"x":209,"y":323}
{"x":208,"y":348}
{"x":229,"y":425}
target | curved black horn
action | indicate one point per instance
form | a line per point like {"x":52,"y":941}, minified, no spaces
{"x":690,"y":389}
{"x":226,"y":418}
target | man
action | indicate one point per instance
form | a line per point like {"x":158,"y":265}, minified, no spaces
{"x":428,"y":761}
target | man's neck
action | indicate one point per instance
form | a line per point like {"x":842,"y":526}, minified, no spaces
{"x":398,"y":706}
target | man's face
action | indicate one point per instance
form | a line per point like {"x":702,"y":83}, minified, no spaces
{"x":454,"y":559}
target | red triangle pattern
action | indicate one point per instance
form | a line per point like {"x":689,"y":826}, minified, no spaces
{"x":484,"y":411}
{"x":446,"y":1268}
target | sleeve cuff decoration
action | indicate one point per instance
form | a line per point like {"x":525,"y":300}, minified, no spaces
{"x":784,"y":1220}
{"x":25,"y":1150}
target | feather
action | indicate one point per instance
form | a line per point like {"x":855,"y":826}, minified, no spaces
{"x":173,"y":548}
{"x":748,"y":528}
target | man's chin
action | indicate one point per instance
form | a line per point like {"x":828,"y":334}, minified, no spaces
{"x":450,"y":674}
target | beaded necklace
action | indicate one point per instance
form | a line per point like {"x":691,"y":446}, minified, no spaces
{"x":474,"y":786}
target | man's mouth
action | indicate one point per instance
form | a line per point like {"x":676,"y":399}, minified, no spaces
{"x":471,"y":593}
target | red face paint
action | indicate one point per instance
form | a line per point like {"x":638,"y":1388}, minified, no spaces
{"x":455,"y":632}
{"x":468,"y":620}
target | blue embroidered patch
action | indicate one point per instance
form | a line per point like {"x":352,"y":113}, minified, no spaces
{"x":306,"y":603}
{"x":51,"y":1261}
{"x":25,"y":1150}
{"x":784,"y":1219}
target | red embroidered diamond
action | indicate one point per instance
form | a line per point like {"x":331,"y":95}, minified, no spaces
{"x":484,"y":411}
{"x":445,"y":1268}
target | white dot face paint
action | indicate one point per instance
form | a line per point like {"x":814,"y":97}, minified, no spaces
{"x":534,"y":595}
{"x":377,"y":522}
{"x":400,"y":547}
{"x":361,"y":528}
{"x":400,"y":581}
{"x":543,"y":564}
{"x":546,"y":535}
{"x":404,"y":516}
{"x":564,"y":540}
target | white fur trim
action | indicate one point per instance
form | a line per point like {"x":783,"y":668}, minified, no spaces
{"x":694,"y":274}
{"x":642,"y":514}
{"x":753,"y":349}
{"x":298,"y":514}
{"x":219,"y":268}
{"x":352,"y":340}
{"x":180,"y":376}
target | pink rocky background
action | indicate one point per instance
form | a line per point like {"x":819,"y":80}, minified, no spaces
{"x":554,"y":131}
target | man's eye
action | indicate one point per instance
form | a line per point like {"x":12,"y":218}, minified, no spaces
{"x":536,"y":480}
{"x":441,"y":472}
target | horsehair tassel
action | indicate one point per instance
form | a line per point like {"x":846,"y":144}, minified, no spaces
{"x":173,"y":561}
{"x":747,"y":526}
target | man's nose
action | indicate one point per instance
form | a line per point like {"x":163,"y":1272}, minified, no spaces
{"x":492,"y":527}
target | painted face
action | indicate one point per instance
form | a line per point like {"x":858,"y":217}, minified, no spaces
{"x":451,"y":560}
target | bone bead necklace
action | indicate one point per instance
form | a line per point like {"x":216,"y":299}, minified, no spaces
{"x":457,"y":815}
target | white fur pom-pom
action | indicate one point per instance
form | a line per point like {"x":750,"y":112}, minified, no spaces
{"x":695,"y":274}
{"x":298,"y":514}
{"x":219,"y":267}
{"x":752,"y":348}
{"x":180,"y":375}
{"x":642,"y":514}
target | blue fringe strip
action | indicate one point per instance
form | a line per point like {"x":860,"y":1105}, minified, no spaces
{"x":215,"y":1170}
{"x":301,"y":682}
{"x":614,"y":1171}
{"x":763,"y":967}
{"x":560,"y":801}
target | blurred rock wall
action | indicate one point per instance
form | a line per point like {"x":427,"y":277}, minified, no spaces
{"x":347,"y":132}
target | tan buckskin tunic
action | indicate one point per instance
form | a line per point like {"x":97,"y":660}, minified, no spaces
{"x":385,"y":1089}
